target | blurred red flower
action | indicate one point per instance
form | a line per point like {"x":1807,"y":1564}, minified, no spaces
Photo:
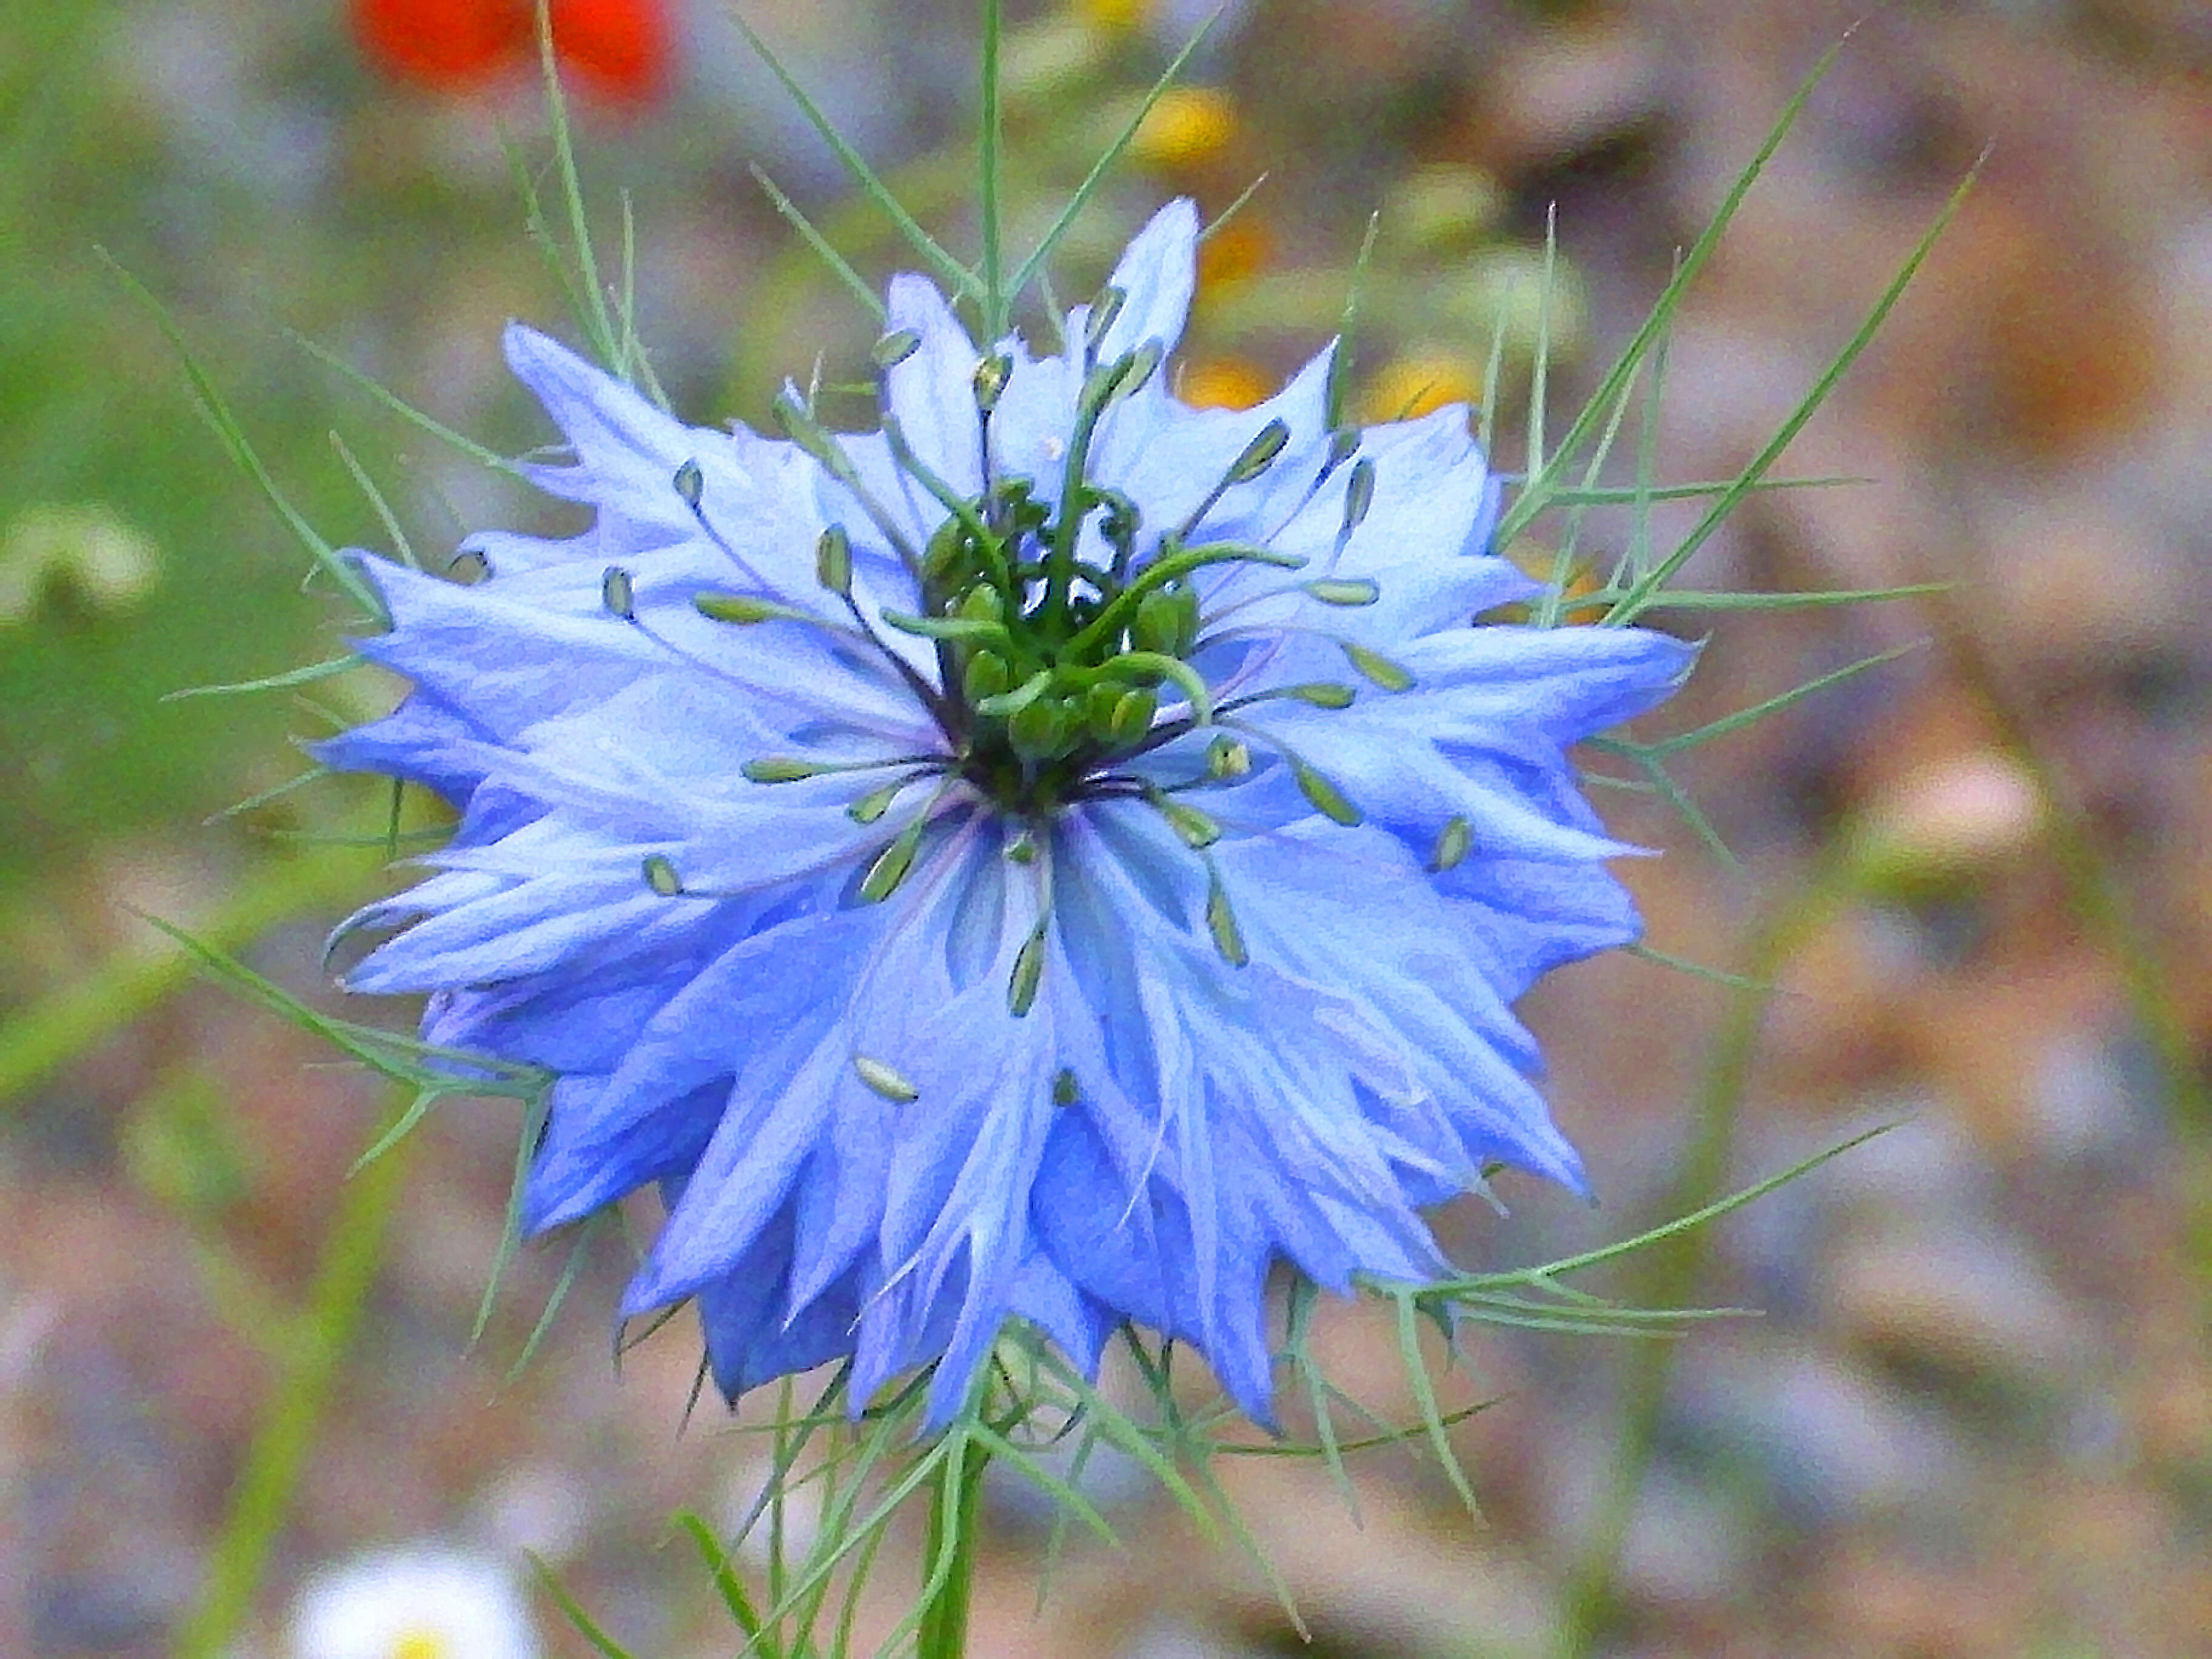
{"x":618,"y":50}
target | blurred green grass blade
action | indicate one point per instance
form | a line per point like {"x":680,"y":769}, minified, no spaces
{"x":1041,"y":254}
{"x":399,"y":406}
{"x":1537,"y":492}
{"x":1656,"y":580}
{"x":1698,"y":598}
{"x":1348,"y":325}
{"x":377,"y":504}
{"x":599,"y":321}
{"x":227,"y":428}
{"x":305,"y":675}
{"x":949,"y":270}
{"x":573,"y":1610}
{"x":840,"y":267}
{"x":989,"y":140}
{"x":39,"y":1039}
{"x":1541,"y":1275}
{"x":1774,"y":705}
{"x":263,"y":1494}
{"x":727,"y":1585}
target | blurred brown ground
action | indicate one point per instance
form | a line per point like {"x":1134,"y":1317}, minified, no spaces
{"x":1975,"y":1418}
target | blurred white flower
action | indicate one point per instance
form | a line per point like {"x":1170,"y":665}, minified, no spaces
{"x":423,"y":1601}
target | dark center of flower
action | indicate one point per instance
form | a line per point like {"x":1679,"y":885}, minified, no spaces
{"x":1066,"y":631}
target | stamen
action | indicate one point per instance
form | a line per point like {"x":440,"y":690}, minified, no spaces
{"x":744,"y":609}
{"x":1104,"y":312}
{"x":886,"y":1080}
{"x":789,"y":769}
{"x":893,"y":863}
{"x":833,"y":561}
{"x":1254,"y":458}
{"x":1377,"y":668}
{"x":1347,"y":591}
{"x":1260,"y":454}
{"x":1221,"y":922}
{"x":1327,"y":800}
{"x":990,"y":379}
{"x":877,"y":802}
{"x":1198,"y":830}
{"x":895,"y":348}
{"x":1453,"y":843}
{"x":1028,"y":973}
{"x":1358,"y":497}
{"x":618,"y":592}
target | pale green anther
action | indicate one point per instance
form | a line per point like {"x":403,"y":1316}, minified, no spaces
{"x":782,"y":768}
{"x":941,"y":557}
{"x":1098,"y":706}
{"x":1198,"y":829}
{"x":892,"y":864}
{"x":1133,"y":713}
{"x":877,"y":802}
{"x":896,"y":347}
{"x":1103,"y":311}
{"x":1228,"y":757}
{"x":1021,"y":849}
{"x":1007,"y":703}
{"x":985,"y":676}
{"x":1221,"y":922}
{"x":1260,"y":454}
{"x":981,"y":603}
{"x":886,"y":1080}
{"x":1376,"y":667}
{"x":945,"y":627}
{"x":468,"y":566}
{"x":742,"y":609}
{"x":1099,"y":389}
{"x":1166,"y":622}
{"x":1064,"y":1092}
{"x":1327,"y":800}
{"x":833,"y":561}
{"x":618,"y":593}
{"x":1452,"y":844}
{"x":1322,"y":693}
{"x":1358,"y":495}
{"x":1039,"y":730}
{"x":661,"y":876}
{"x":1144,"y":362}
{"x":802,"y":429}
{"x":1344,"y":591}
{"x":990,"y":379}
{"x":1028,"y":973}
{"x":1342,"y":443}
{"x":690,"y":484}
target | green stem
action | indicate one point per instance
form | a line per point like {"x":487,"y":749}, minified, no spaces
{"x":1671,"y":1268}
{"x":61,"y":1026}
{"x":317,"y":1346}
{"x":988,"y":143}
{"x":943,"y":1633}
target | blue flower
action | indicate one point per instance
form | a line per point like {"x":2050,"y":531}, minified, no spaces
{"x":1054,"y":856}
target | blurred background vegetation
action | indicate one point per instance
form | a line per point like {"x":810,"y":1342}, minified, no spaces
{"x":1977,"y":1415}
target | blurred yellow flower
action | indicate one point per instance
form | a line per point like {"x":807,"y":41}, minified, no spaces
{"x":1418,"y":383}
{"x":1224,"y":383}
{"x":1189,"y":124}
{"x":1232,"y":251}
{"x":1116,"y":16}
